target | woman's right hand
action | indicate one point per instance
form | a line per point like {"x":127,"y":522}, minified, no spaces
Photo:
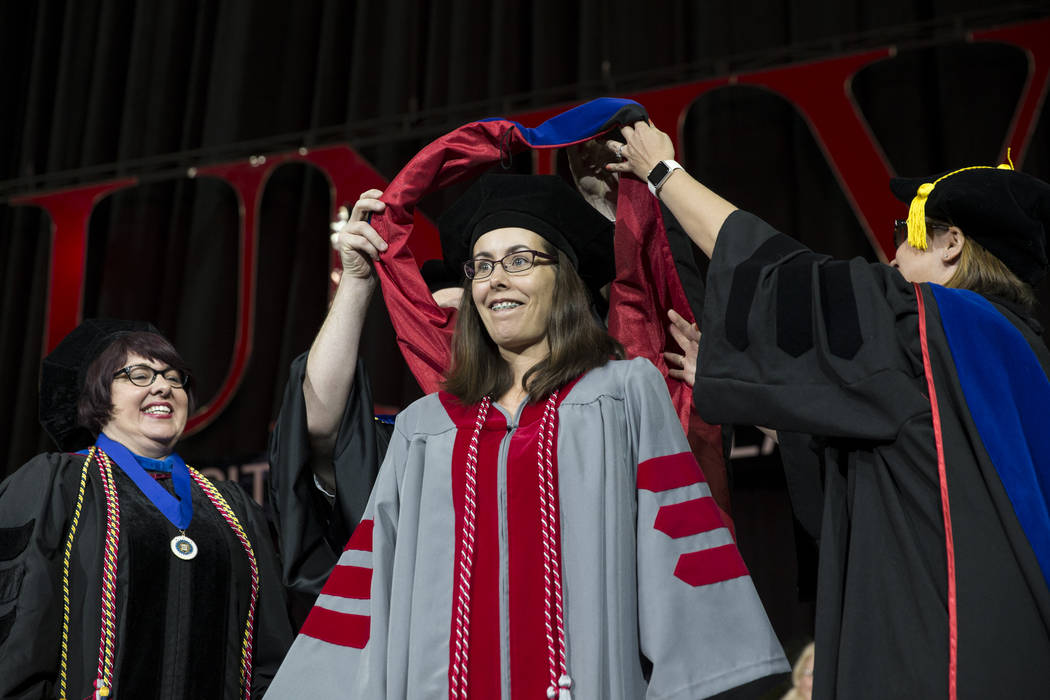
{"x":643,"y":147}
{"x":357,"y":243}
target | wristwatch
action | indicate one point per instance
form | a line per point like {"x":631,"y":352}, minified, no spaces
{"x":659,"y":174}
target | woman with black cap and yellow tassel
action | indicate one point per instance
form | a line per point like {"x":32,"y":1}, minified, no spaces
{"x":921,"y":389}
{"x":125,"y":573}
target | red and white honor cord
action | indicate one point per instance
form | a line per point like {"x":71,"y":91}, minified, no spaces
{"x":465,"y":564}
{"x":553,"y":613}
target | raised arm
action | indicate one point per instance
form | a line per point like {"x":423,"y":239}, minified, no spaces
{"x":333,"y":355}
{"x":700,"y":211}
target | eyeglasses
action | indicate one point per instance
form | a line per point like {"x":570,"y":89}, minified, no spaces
{"x":900,"y":229}
{"x":144,"y":375}
{"x":514,"y":263}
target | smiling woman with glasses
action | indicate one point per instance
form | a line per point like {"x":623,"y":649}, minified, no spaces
{"x":516,"y":541}
{"x":136,"y":575}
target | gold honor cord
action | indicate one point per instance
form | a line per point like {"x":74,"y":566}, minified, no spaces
{"x":63,"y":663}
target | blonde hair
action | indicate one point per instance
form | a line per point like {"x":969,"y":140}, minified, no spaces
{"x":796,"y":673}
{"x":981,"y":272}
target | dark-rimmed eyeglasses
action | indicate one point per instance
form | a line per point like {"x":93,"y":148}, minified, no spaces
{"x":144,"y":375}
{"x":514,"y":263}
{"x":900,"y":229}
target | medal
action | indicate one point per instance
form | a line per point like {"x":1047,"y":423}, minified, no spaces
{"x":178,"y":508}
{"x":183,"y":547}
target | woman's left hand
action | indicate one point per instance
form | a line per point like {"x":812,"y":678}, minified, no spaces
{"x":687,"y":335}
{"x":644,"y":146}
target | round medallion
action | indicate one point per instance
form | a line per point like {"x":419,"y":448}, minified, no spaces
{"x":183,"y":547}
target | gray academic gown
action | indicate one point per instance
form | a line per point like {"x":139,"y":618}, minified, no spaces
{"x":657,"y":601}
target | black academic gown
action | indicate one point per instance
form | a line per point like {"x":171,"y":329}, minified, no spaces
{"x":179,"y":624}
{"x":831,"y":350}
{"x":312,"y":531}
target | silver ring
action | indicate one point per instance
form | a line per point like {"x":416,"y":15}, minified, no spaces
{"x":619,"y":151}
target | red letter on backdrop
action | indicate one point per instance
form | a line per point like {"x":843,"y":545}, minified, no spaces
{"x":1034,"y":39}
{"x":69,"y":211}
{"x":348,"y":175}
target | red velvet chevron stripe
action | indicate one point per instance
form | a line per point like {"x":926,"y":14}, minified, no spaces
{"x":711,"y":565}
{"x":361,"y":540}
{"x":688,"y":518}
{"x":350,"y":582}
{"x":333,"y":627}
{"x":669,"y":472}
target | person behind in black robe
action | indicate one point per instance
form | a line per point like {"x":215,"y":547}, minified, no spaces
{"x":124,"y":573}
{"x":327,"y":444}
{"x":911,"y":402}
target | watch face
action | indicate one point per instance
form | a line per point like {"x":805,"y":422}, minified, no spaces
{"x":658,"y":173}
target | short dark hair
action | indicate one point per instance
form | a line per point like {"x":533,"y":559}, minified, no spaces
{"x":95,"y":406}
{"x":578,"y":344}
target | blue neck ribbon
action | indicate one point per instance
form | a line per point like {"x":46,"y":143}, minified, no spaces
{"x":178,"y":508}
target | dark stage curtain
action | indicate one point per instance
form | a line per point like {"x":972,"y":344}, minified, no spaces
{"x":113,"y":86}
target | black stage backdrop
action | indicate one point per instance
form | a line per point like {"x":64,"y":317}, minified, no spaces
{"x":95,"y":90}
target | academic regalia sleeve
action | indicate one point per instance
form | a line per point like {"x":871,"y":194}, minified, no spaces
{"x":799,"y":342}
{"x":273,"y":630}
{"x":35,"y":507}
{"x":701,"y":623}
{"x":802,"y":459}
{"x":313,"y":532}
{"x":341,"y":648}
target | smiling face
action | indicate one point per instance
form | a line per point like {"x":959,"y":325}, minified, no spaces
{"x":148,"y":420}
{"x":515,"y":308}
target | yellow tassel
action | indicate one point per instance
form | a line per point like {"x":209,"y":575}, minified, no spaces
{"x":917,"y":216}
{"x":917,"y":210}
{"x":1009,"y":164}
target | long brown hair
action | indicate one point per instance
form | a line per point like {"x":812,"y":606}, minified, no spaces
{"x":578,"y":343}
{"x":981,"y":272}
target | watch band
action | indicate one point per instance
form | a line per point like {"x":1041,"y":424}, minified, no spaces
{"x":659,"y":174}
